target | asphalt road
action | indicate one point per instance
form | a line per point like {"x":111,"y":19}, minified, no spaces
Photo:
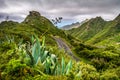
{"x":63,"y":45}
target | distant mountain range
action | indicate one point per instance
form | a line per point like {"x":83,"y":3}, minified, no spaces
{"x":73,"y":25}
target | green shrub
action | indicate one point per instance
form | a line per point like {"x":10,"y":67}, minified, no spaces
{"x":109,"y":75}
{"x":15,"y":69}
{"x":100,"y":63}
{"x":88,"y":72}
{"x":26,"y":61}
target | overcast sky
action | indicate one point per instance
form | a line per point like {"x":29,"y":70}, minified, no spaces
{"x":70,"y":10}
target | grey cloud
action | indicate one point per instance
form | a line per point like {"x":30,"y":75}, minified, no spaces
{"x":68,"y":9}
{"x":14,"y":17}
{"x":80,"y":3}
{"x":82,"y":7}
{"x":2,"y":4}
{"x":3,"y":15}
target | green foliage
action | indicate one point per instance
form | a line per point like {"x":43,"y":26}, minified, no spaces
{"x":97,"y":31}
{"x":34,"y":61}
{"x":63,"y":66}
{"x":48,"y":60}
{"x":102,"y":58}
{"x":21,"y":59}
{"x":25,"y":61}
{"x":48,"y":77}
{"x":110,"y":75}
{"x":33,"y":24}
{"x":36,"y":51}
{"x":15,"y":69}
{"x":92,"y":26}
{"x":64,"y":69}
{"x":88,"y":72}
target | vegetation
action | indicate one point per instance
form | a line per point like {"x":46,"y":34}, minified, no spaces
{"x":34,"y":23}
{"x":97,"y":31}
{"x":97,"y":44}
{"x":31,"y":61}
{"x":37,"y":57}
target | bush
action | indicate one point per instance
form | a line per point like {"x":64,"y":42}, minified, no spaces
{"x":48,"y":77}
{"x":99,"y":63}
{"x":88,"y":72}
{"x":109,"y":75}
{"x":15,"y":69}
{"x":25,"y":61}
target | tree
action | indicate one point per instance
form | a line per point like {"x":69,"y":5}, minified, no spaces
{"x":57,"y":20}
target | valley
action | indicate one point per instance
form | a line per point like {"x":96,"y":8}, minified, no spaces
{"x":36,"y":49}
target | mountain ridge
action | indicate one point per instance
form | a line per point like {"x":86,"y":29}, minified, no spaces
{"x":74,"y":25}
{"x":96,"y":30}
{"x":70,"y":26}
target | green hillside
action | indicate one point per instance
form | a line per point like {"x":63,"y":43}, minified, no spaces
{"x":93,"y":26}
{"x":29,"y":50}
{"x":34,"y":23}
{"x":97,"y":30}
{"x":99,"y":46}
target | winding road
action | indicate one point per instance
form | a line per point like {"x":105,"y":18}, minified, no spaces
{"x":63,"y":45}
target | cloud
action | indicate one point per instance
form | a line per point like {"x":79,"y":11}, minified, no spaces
{"x":2,"y":4}
{"x":70,"y":10}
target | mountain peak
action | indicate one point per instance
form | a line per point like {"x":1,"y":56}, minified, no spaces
{"x":34,"y":13}
{"x":98,"y":18}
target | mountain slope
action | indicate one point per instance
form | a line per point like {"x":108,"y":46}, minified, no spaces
{"x":93,"y":26}
{"x":34,"y":23}
{"x":96,"y":30}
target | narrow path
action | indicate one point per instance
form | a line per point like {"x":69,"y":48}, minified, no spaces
{"x":63,"y":45}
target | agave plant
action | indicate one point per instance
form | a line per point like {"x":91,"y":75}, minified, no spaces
{"x":37,"y":50}
{"x":63,"y":69}
{"x":50,"y":64}
{"x":50,"y":61}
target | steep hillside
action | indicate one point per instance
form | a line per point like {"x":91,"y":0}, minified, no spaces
{"x":93,"y":26}
{"x":34,"y":23}
{"x":110,"y":34}
{"x":97,"y":30}
{"x":100,"y":46}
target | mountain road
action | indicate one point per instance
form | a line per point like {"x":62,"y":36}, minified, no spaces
{"x":62,"y":45}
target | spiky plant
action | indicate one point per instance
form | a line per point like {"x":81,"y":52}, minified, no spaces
{"x":50,"y":61}
{"x":63,"y":69}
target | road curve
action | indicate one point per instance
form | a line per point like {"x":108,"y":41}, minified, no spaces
{"x":63,"y":45}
